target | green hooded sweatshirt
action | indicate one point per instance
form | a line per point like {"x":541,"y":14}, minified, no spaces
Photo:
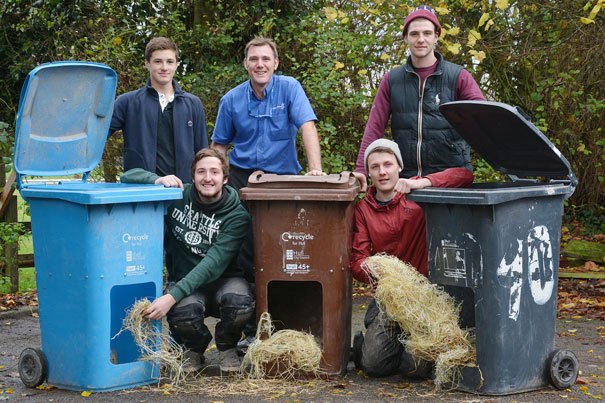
{"x":202,"y":240}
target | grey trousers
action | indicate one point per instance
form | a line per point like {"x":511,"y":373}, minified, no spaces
{"x":382,"y":354}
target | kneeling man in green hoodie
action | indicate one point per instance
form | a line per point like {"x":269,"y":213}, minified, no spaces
{"x":204,"y":232}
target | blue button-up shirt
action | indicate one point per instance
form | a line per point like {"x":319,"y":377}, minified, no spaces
{"x":263,"y":132}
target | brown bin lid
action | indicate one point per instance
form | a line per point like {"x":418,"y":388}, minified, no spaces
{"x":334,"y":187}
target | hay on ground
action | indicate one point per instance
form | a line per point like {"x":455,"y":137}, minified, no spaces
{"x":427,"y":315}
{"x":286,"y":354}
{"x":160,"y":348}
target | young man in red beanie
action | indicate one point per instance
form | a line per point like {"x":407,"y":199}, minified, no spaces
{"x":410,"y":95}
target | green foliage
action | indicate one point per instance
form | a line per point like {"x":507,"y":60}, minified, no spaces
{"x":27,"y":281}
{"x":552,"y":72}
{"x":484,"y":172}
{"x":543,"y":56}
{"x":9,"y":235}
{"x":5,"y":143}
{"x":592,"y":220}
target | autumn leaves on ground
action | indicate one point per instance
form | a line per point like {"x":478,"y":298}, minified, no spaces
{"x":581,"y":297}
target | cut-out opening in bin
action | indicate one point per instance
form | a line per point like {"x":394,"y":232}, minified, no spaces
{"x":465,"y":297}
{"x":296,"y":305}
{"x":123,"y":348}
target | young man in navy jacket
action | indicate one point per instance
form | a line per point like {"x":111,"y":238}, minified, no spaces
{"x":162,"y":125}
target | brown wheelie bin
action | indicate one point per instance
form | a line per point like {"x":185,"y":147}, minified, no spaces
{"x":303,"y":228}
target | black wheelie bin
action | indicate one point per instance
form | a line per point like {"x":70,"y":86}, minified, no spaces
{"x":495,"y":248}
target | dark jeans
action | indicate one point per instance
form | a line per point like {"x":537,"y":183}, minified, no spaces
{"x":229,"y":299}
{"x":382,"y":354}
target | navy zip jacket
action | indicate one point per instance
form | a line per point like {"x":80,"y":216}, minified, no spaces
{"x":136,"y":114}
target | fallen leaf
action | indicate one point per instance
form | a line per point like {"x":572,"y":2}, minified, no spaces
{"x":581,"y":381}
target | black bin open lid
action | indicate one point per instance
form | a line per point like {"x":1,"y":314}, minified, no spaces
{"x":507,"y":140}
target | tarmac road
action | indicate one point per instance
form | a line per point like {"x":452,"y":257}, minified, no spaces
{"x":586,"y":338}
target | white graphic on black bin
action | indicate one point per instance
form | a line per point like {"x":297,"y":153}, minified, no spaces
{"x":540,"y":273}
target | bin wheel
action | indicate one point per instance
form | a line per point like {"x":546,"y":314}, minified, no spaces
{"x":563,"y":369}
{"x":33,"y":368}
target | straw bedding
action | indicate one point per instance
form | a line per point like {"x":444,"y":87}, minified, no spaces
{"x":286,"y":354}
{"x":272,"y":366}
{"x":155,"y":346}
{"x":427,"y":315}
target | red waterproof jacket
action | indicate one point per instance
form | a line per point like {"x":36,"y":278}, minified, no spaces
{"x":397,"y":228}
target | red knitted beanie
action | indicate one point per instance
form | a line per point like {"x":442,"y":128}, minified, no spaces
{"x":422,"y":12}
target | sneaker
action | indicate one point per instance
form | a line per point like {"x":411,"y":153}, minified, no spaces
{"x":243,"y":344}
{"x":356,"y":349}
{"x":192,"y":361}
{"x":228,"y":360}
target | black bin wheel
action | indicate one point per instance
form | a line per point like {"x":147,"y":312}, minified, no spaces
{"x":563,"y":369}
{"x":33,"y":368}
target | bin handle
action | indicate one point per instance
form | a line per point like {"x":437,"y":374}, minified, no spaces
{"x":523,"y":113}
{"x":572,"y":182}
{"x":341,"y":178}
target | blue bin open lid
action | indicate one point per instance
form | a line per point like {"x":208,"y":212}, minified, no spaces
{"x":63,"y":119}
{"x":507,"y":140}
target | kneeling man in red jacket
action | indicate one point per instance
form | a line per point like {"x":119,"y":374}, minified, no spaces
{"x":387,"y":222}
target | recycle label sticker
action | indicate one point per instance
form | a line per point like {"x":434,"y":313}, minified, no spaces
{"x":294,"y":258}
{"x":135,"y":257}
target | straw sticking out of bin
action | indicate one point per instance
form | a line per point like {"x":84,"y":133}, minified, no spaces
{"x":155,"y":346}
{"x":427,"y":315}
{"x":286,"y":354}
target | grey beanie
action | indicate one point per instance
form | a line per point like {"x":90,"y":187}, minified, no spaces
{"x":382,"y":143}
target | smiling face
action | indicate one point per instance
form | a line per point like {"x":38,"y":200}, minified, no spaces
{"x":421,"y":39}
{"x":384,"y":172}
{"x":209,"y":179}
{"x":161,"y":65}
{"x":260,"y":63}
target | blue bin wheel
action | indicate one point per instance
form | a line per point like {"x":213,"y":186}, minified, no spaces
{"x":563,"y":369}
{"x":33,"y":368}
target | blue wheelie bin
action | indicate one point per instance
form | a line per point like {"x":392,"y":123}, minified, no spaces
{"x":97,"y":246}
{"x":495,"y":248}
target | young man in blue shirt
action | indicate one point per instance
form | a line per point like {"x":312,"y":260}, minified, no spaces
{"x":162,"y":125}
{"x":260,"y":118}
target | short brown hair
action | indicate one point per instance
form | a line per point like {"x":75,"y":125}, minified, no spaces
{"x":261,"y":41}
{"x":210,"y":152}
{"x":160,"y":43}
